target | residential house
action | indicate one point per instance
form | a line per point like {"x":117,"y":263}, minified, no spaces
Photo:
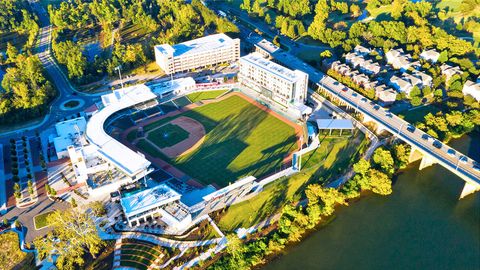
{"x":401,"y":85}
{"x":360,"y":50}
{"x":472,"y":89}
{"x":425,"y":78}
{"x":448,"y":71}
{"x":399,"y":60}
{"x":385,"y":95}
{"x":370,"y":67}
{"x":430,"y":55}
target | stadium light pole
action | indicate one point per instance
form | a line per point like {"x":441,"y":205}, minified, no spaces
{"x":118,"y":68}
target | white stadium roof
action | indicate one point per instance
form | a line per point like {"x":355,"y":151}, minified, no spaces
{"x":148,"y":199}
{"x":121,"y":156}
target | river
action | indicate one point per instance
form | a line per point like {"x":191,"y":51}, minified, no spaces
{"x":422,"y":225}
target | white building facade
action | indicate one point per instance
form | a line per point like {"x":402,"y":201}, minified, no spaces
{"x":198,"y":53}
{"x":279,"y":84}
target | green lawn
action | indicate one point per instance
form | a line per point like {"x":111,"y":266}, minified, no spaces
{"x":41,"y":220}
{"x":241,"y":140}
{"x":322,"y":165}
{"x":198,"y":96}
{"x":375,"y":12}
{"x":417,"y":115}
{"x":167,"y":135}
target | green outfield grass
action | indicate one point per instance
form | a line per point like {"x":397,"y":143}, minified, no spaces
{"x":241,"y":140}
{"x":325,"y":164}
{"x":167,"y":135}
{"x":198,"y":96}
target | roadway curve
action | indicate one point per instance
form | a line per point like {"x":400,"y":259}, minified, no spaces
{"x":65,"y":90}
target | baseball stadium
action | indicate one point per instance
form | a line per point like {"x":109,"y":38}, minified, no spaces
{"x":210,"y":137}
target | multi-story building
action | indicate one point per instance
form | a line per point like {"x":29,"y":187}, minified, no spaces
{"x":272,"y":80}
{"x":197,"y":54}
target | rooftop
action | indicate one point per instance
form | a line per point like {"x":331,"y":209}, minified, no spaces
{"x":334,"y":124}
{"x":281,"y":71}
{"x":173,"y":85}
{"x":121,"y":156}
{"x":208,"y":43}
{"x":267,"y":46}
{"x":150,"y":198}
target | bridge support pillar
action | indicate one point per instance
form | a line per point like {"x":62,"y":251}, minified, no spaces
{"x":426,"y":162}
{"x":415,"y":155}
{"x":469,"y":189}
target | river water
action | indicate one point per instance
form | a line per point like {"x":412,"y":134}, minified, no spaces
{"x":422,"y":225}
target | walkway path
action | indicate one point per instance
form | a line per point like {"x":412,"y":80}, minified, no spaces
{"x":157,"y":240}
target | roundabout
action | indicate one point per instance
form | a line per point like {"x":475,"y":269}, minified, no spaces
{"x":71,"y":104}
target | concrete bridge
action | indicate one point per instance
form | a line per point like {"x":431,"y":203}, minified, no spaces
{"x":422,"y":144}
{"x":424,"y":147}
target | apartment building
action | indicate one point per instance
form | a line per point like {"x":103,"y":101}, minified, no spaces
{"x":272,"y":80}
{"x":197,"y":54}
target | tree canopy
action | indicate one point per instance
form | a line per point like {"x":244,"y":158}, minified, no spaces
{"x":74,"y":234}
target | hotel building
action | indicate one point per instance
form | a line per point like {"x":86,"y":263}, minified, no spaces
{"x":278,"y":83}
{"x":198,"y":53}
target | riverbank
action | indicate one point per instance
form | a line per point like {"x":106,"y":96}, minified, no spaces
{"x":421,"y":225}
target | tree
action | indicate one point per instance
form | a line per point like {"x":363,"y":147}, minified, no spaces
{"x":380,"y":183}
{"x":97,"y":208}
{"x":326,"y":54}
{"x":401,"y":155}
{"x":416,"y":101}
{"x":443,"y":57}
{"x":355,"y":10}
{"x":74,"y":233}
{"x":12,"y":53}
{"x":268,"y":19}
{"x":383,"y":158}
{"x":246,"y":5}
{"x":73,"y":202}
{"x":361,"y":167}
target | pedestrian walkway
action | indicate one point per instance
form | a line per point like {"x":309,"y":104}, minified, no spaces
{"x":157,"y":240}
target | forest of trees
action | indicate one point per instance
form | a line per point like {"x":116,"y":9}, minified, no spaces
{"x":26,"y":91}
{"x":158,"y":21}
{"x":16,"y":19}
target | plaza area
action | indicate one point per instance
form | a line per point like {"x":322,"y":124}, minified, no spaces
{"x":218,"y":141}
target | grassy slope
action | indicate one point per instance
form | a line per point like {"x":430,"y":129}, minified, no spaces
{"x":241,"y":140}
{"x":331,"y":158}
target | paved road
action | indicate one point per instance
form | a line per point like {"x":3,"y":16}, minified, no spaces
{"x":65,"y":90}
